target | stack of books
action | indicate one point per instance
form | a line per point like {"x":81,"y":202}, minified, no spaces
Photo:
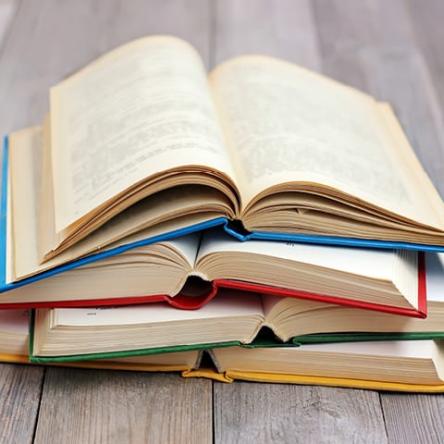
{"x":264,"y":217}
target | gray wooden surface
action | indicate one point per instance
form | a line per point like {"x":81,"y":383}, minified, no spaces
{"x":390,"y":49}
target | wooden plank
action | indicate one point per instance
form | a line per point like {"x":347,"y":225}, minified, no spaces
{"x":429,"y":34}
{"x":33,"y":59}
{"x":280,"y":29}
{"x":414,"y":418}
{"x":7,"y":12}
{"x":88,"y":406}
{"x":20,"y":388}
{"x":254,"y":412}
{"x":370,"y":45}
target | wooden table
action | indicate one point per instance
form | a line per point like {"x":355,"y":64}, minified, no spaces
{"x":392,"y":49}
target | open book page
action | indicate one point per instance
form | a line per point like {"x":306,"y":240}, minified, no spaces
{"x":289,"y":317}
{"x":381,"y":276}
{"x":319,"y":317}
{"x":270,"y":302}
{"x":24,"y":158}
{"x":378,"y":264}
{"x":287,"y":124}
{"x":227,"y":305}
{"x":403,"y":155}
{"x":139,"y":110}
{"x":30,"y":226}
{"x":186,"y":246}
{"x":412,"y":349}
{"x":435,"y":277}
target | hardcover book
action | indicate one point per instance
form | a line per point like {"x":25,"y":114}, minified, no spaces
{"x":190,"y":271}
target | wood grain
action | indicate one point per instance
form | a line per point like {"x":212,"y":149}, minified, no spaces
{"x":90,"y":406}
{"x":370,"y":45}
{"x":281,"y":29}
{"x":414,"y":418}
{"x":7,"y":12}
{"x":20,"y":388}
{"x":254,"y":412}
{"x":429,"y":36}
{"x":51,"y":39}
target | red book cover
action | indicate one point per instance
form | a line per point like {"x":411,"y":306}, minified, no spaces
{"x":195,"y":302}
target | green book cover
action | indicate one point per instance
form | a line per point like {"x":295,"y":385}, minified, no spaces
{"x":126,"y":353}
{"x":265,"y":339}
{"x":118,"y":354}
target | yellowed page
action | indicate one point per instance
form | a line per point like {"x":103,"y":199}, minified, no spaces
{"x":372,"y":263}
{"x":139,"y":110}
{"x":27,"y":229}
{"x":230,"y":304}
{"x":355,"y":273}
{"x":417,"y":362}
{"x":230,"y":317}
{"x":287,"y":124}
{"x":24,"y":158}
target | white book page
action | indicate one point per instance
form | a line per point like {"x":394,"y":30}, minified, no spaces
{"x":412,"y":349}
{"x":139,"y":110}
{"x":298,"y":305}
{"x":23,"y":217}
{"x":372,"y":263}
{"x":188,"y":246}
{"x":288,"y":124}
{"x":435,"y":277}
{"x":227,"y":304}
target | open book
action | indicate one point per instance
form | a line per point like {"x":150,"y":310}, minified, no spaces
{"x":231,"y":319}
{"x":420,"y":363}
{"x":189,"y":271}
{"x":142,"y":143}
{"x":390,"y":365}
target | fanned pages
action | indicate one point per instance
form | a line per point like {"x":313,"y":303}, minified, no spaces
{"x":151,"y":109}
{"x":232,"y":318}
{"x":410,"y":362}
{"x":140,"y":143}
{"x":190,"y":270}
